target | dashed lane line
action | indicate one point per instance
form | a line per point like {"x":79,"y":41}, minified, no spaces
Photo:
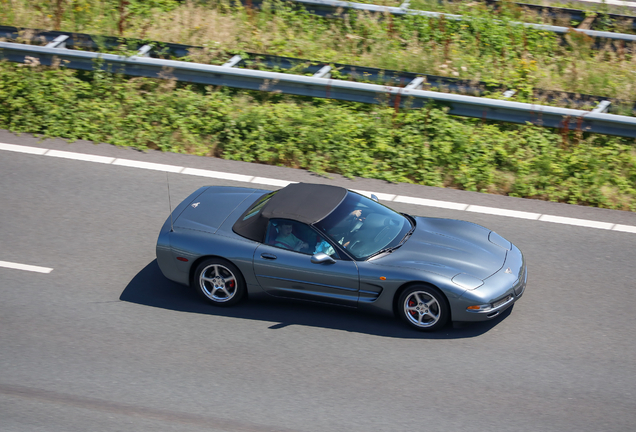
{"x":217,"y":175}
{"x":577,"y":222}
{"x":431,"y":203}
{"x":25,"y":267}
{"x":282,"y":183}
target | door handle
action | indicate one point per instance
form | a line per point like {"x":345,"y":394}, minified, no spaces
{"x":268,"y":256}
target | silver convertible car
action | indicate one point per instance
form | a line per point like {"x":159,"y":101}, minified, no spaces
{"x":331,"y":245}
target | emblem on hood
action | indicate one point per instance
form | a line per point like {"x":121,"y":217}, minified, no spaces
{"x":196,"y":204}
{"x":508,"y":271}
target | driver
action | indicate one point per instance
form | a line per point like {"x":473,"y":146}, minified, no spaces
{"x":355,"y":220}
{"x":286,"y":239}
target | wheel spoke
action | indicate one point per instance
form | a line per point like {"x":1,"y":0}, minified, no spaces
{"x":216,"y":270}
{"x":410,"y":309}
{"x":431,"y":303}
{"x":207,"y":279}
{"x":417,"y":297}
{"x":432,"y":315}
{"x":230,"y":279}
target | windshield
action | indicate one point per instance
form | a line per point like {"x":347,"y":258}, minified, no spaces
{"x":364,"y":227}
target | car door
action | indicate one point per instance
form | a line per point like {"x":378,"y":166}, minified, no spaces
{"x":283,"y":271}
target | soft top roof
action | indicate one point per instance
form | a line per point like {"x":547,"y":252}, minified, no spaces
{"x":303,"y":202}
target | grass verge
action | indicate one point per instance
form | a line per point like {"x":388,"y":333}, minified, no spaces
{"x":425,"y":146}
{"x":485,"y":48}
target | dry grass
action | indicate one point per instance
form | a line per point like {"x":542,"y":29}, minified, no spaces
{"x":372,"y":40}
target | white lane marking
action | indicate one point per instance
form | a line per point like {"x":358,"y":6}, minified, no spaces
{"x":271,"y":181}
{"x":26,"y":267}
{"x":148,"y":165}
{"x":80,"y":156}
{"x":625,"y":228}
{"x":217,"y":174}
{"x":23,"y":149}
{"x":430,"y":203}
{"x":282,"y":183}
{"x":503,"y":212}
{"x":381,"y":196}
{"x":576,"y":222}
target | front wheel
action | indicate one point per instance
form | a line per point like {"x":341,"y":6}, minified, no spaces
{"x":423,"y":307}
{"x":219,"y":282}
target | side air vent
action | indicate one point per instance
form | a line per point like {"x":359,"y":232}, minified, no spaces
{"x":369,"y":293}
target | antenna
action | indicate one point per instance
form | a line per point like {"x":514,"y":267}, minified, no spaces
{"x":169,"y":202}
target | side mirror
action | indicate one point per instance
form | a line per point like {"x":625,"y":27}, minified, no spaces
{"x":375,"y":198}
{"x":322,"y":258}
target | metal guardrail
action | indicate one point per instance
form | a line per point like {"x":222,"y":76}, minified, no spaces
{"x":554,"y":12}
{"x":468,"y":106}
{"x":360,"y":73}
{"x":331,"y":7}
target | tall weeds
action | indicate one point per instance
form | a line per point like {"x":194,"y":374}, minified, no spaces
{"x":485,"y":48}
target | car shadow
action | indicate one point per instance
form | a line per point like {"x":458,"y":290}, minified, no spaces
{"x":149,"y":287}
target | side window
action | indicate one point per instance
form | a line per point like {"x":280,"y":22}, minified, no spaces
{"x":322,"y":245}
{"x":292,"y":235}
{"x":296,"y":236}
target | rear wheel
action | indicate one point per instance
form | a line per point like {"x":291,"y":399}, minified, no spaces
{"x":219,"y":282}
{"x":423,"y":307}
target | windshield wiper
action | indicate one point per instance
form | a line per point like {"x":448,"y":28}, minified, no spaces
{"x":392,"y":248}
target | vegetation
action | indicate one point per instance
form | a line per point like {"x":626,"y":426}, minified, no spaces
{"x":424,"y":146}
{"x":485,"y":48}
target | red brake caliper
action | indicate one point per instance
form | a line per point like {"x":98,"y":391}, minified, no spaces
{"x":411,"y":304}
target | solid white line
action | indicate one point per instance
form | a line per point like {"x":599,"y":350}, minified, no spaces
{"x":271,"y":181}
{"x":23,"y":149}
{"x":282,"y":183}
{"x":430,"y":203}
{"x":217,"y":174}
{"x":148,"y":165}
{"x":80,"y":156}
{"x":503,"y":212}
{"x":25,"y":267}
{"x":576,"y":222}
{"x":381,"y":196}
{"x":624,"y":228}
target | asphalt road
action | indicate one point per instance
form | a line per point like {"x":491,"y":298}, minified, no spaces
{"x":105,"y":343}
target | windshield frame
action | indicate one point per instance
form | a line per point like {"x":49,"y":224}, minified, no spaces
{"x":352,"y":202}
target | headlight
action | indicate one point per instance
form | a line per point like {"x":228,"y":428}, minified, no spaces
{"x":499,"y":240}
{"x":467,"y":281}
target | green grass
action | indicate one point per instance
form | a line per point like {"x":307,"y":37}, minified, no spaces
{"x":425,"y":146}
{"x":486,"y":48}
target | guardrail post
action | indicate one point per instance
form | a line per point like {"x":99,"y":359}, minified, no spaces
{"x":602,"y":107}
{"x":509,"y":93}
{"x":416,"y":84}
{"x":144,"y":50}
{"x":233,"y":61}
{"x":58,"y":42}
{"x":405,"y":5}
{"x":324,"y":72}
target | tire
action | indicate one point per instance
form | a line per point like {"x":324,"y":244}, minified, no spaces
{"x":219,"y":282}
{"x":423,"y":307}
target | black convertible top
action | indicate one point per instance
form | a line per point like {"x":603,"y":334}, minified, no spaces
{"x":304,"y":202}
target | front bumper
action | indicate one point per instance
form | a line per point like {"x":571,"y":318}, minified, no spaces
{"x":500,"y":291}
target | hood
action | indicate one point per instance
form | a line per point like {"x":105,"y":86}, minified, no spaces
{"x":448,"y":247}
{"x":210,"y":209}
